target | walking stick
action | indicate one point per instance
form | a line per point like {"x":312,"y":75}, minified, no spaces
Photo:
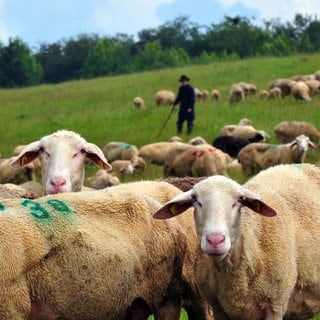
{"x":166,"y":121}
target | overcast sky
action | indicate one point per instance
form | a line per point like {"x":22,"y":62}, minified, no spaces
{"x":37,"y":21}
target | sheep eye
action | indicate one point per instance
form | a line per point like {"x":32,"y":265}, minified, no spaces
{"x":196,"y":202}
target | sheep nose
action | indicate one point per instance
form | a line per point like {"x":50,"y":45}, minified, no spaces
{"x":58,"y":181}
{"x":215,"y":239}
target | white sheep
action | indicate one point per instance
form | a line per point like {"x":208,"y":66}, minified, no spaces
{"x":236,"y":93}
{"x":243,"y":131}
{"x":259,"y":156}
{"x":300,"y":91}
{"x":286,"y":131}
{"x":62,"y":155}
{"x":275,"y":93}
{"x":251,"y":266}
{"x":118,"y":150}
{"x":102,"y":179}
{"x":122,"y":168}
{"x":197,"y":140}
{"x":139,"y":103}
{"x":284,"y":84}
{"x":13,"y":191}
{"x":215,"y":95}
{"x":164,"y":97}
{"x":89,"y":255}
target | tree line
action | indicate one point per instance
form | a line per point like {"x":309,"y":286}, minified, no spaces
{"x":175,"y":43}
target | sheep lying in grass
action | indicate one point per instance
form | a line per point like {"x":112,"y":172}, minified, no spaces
{"x":102,"y":179}
{"x":89,"y":255}
{"x":122,"y":168}
{"x":243,"y":131}
{"x":286,"y":131}
{"x":62,"y":155}
{"x":258,"y":156}
{"x":118,"y":150}
{"x":252,"y":267}
{"x":13,"y":191}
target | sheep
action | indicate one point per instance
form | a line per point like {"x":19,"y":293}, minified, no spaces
{"x":89,"y":255}
{"x":34,"y":187}
{"x":123,"y":168}
{"x":164,"y":97}
{"x":283,"y":84}
{"x":275,"y":93}
{"x":254,"y":267}
{"x":197,"y":140}
{"x":236,"y":93}
{"x":175,"y":138}
{"x":154,"y":153}
{"x":242,"y":131}
{"x":258,"y":156}
{"x":196,"y":161}
{"x":232,"y":145}
{"x":215,"y":95}
{"x":15,"y":176}
{"x":13,"y":191}
{"x":118,"y":150}
{"x":62,"y":155}
{"x":198,"y":94}
{"x":139,"y":103}
{"x":205,"y":95}
{"x":264,"y":94}
{"x":300,"y":91}
{"x":286,"y":131}
{"x":317,"y":75}
{"x":102,"y":179}
{"x":314,"y":86}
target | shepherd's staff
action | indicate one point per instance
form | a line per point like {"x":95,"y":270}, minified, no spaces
{"x":164,"y":124}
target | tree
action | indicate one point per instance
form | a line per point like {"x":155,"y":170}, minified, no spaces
{"x":18,"y":66}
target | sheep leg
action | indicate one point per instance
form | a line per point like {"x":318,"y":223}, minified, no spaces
{"x":170,"y":312}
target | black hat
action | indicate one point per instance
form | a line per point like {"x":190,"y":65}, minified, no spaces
{"x":184,"y":78}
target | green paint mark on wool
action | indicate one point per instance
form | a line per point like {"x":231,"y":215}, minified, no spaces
{"x":36,"y":209}
{"x":2,"y":207}
{"x":59,"y":206}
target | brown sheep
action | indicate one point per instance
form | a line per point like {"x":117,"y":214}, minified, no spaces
{"x":164,"y":97}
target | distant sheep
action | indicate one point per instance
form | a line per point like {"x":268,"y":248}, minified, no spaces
{"x":164,"y":97}
{"x":236,"y":93}
{"x":89,"y":255}
{"x":118,"y":150}
{"x":215,"y":95}
{"x":259,"y":156}
{"x":122,"y":168}
{"x":286,"y":131}
{"x":139,"y":103}
{"x":314,"y":86}
{"x":102,"y":179}
{"x":258,"y":254}
{"x":300,"y":91}
{"x":283,"y":84}
{"x":62,"y":155}
{"x":275,"y":93}
{"x":197,"y":140}
{"x":198,"y":94}
{"x":242,"y":131}
{"x":264,"y":94}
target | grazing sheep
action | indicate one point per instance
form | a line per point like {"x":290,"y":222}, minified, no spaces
{"x":283,"y":84}
{"x":275,"y":93}
{"x":205,"y":95}
{"x":198,"y":94}
{"x":232,"y":145}
{"x":251,"y":266}
{"x":89,"y":255}
{"x":197,"y":140}
{"x":155,"y":152}
{"x":300,"y":91}
{"x":139,"y":103}
{"x":236,"y":93}
{"x":118,"y":150}
{"x":264,"y":94}
{"x":317,"y":75}
{"x":252,"y":89}
{"x":121,"y":168}
{"x":259,"y":156}
{"x":102,"y":179}
{"x":15,"y":176}
{"x":242,"y":131}
{"x":286,"y":131}
{"x":314,"y":86}
{"x":175,"y":138}
{"x":62,"y":155}
{"x":164,"y":97}
{"x":215,"y":95}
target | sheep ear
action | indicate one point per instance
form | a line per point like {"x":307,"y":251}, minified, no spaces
{"x":311,"y":144}
{"x":95,"y":154}
{"x":251,"y":201}
{"x":28,"y":154}
{"x":176,"y":206}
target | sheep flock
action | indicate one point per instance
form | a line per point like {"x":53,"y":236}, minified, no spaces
{"x":87,"y":235}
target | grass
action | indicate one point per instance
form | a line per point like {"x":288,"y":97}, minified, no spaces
{"x":101,"y":110}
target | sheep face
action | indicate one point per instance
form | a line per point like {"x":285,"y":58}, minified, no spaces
{"x":62,"y":156}
{"x":217,"y":201}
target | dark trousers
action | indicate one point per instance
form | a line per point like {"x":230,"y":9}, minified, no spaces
{"x":180,"y":126}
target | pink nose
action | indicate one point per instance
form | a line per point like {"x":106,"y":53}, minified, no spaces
{"x":215,"y":239}
{"x":58,"y":181}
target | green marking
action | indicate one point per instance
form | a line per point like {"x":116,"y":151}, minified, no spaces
{"x":2,"y":207}
{"x":59,"y":206}
{"x":36,"y":209}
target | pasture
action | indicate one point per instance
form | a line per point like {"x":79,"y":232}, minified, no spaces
{"x":102,"y":109}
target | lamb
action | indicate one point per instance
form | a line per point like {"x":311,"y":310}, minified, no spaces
{"x":275,"y":93}
{"x":164,"y":97}
{"x":300,"y":91}
{"x":215,"y":95}
{"x":286,"y":131}
{"x":62,"y":155}
{"x":89,"y":255}
{"x":258,"y":156}
{"x":139,"y":103}
{"x":121,"y":168}
{"x":236,"y":93}
{"x":254,"y":267}
{"x":102,"y":179}
{"x":118,"y":150}
{"x":232,"y":145}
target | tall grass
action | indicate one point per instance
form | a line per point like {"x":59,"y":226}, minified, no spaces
{"x":101,"y":110}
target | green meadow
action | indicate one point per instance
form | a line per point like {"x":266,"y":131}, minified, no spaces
{"x":102,"y":110}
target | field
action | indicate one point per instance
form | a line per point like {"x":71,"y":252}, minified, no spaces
{"x":102,"y":110}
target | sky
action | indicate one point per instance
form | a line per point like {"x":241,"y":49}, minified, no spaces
{"x":49,"y":21}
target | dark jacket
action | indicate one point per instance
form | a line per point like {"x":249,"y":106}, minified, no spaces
{"x":186,"y":98}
